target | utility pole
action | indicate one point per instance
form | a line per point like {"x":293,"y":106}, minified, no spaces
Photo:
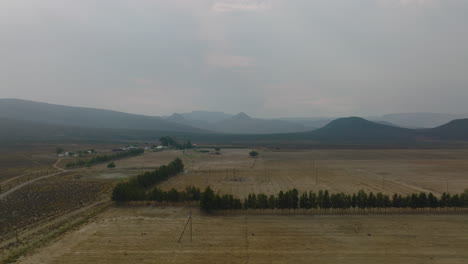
{"x":189,"y":220}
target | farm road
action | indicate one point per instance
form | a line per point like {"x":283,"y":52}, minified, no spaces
{"x":5,"y":194}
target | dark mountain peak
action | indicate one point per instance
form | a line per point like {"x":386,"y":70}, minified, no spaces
{"x":453,"y":130}
{"x":356,"y":128}
{"x":459,"y":123}
{"x":349,"y":121}
{"x":175,"y":117}
{"x":241,"y":116}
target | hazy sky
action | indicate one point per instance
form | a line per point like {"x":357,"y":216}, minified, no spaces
{"x":264,"y":57}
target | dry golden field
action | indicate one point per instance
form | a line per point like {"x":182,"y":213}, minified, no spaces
{"x":146,"y":234}
{"x":388,"y":171}
{"x":149,"y":235}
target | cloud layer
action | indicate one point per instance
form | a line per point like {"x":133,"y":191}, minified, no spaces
{"x":241,"y":5}
{"x":264,"y":57}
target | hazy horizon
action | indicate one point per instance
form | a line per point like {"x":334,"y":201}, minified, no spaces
{"x":372,"y":117}
{"x":267,"y":58}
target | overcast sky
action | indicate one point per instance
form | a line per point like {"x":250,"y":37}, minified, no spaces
{"x":267,"y":58}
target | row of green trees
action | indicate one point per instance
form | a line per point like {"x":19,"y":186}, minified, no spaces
{"x":210,"y":201}
{"x":324,"y":200}
{"x":105,"y":158}
{"x":170,"y":142}
{"x":135,"y":188}
{"x":191,"y":193}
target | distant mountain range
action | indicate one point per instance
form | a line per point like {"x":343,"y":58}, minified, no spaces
{"x":206,"y":116}
{"x":31,"y":121}
{"x":238,"y":124}
{"x":208,"y":120}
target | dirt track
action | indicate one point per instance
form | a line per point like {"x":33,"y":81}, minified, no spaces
{"x":19,"y":186}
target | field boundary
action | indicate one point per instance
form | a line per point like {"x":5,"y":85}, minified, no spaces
{"x":312,"y":212}
{"x":292,"y":212}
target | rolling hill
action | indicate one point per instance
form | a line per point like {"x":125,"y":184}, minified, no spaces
{"x":420,"y":120}
{"x":454,"y":130}
{"x":359,"y":129}
{"x":86,"y":117}
{"x":21,"y":131}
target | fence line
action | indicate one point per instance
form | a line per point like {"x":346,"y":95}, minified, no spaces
{"x":301,"y":211}
{"x":351,"y":211}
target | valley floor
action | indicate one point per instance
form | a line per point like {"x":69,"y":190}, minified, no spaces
{"x":146,"y":234}
{"x":149,"y":235}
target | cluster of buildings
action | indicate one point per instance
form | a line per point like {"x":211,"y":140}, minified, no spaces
{"x":124,"y":149}
{"x":77,"y":154}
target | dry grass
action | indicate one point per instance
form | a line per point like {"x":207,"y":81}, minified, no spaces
{"x":388,"y":171}
{"x":149,"y":235}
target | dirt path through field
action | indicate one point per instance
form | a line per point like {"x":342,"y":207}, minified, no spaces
{"x":5,"y":194}
{"x":24,"y":174}
{"x":56,"y":165}
{"x":14,"y":178}
{"x":19,"y":186}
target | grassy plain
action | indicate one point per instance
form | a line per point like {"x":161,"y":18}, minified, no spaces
{"x":387,"y":171}
{"x":148,"y":234}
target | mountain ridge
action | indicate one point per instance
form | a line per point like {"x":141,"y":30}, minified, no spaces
{"x":24,"y":118}
{"x":85,"y":117}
